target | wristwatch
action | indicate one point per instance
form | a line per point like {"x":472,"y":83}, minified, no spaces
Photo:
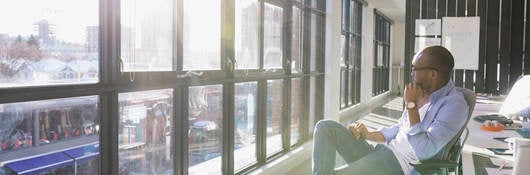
{"x":411,"y":105}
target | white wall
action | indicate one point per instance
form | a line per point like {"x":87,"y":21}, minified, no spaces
{"x":332,"y":82}
{"x":398,"y":57}
{"x":367,"y":53}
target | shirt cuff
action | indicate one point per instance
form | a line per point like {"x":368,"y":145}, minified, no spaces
{"x":388,"y":133}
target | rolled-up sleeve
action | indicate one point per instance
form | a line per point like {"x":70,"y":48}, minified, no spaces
{"x":426,"y":141}
{"x":389,"y":132}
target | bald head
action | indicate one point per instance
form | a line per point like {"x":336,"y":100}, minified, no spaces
{"x":439,"y":57}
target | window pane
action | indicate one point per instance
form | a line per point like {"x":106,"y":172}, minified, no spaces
{"x":359,"y":17}
{"x":147,"y":35}
{"x":315,"y":46}
{"x":247,"y":34}
{"x":296,"y":109}
{"x":274,"y":116}
{"x":344,"y":17}
{"x":296,"y":41}
{"x":353,"y":20}
{"x":37,"y":130}
{"x":245,"y":122}
{"x":205,"y":129}
{"x":272,"y":33}
{"x":343,"y":51}
{"x":351,"y":88}
{"x":312,"y":94}
{"x":55,"y":44}
{"x":202,"y":34}
{"x":352,"y":50}
{"x":357,"y":56}
{"x":343,"y":88}
{"x":145,"y":132}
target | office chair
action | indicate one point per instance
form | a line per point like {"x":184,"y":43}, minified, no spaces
{"x":451,"y":157}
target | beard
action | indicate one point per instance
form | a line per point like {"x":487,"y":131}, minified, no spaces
{"x":424,"y":87}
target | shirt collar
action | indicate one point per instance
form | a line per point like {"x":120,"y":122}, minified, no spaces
{"x":436,"y":95}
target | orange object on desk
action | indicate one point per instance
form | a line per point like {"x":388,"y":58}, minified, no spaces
{"x":492,"y":128}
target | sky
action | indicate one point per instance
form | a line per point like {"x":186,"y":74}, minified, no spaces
{"x":70,"y":17}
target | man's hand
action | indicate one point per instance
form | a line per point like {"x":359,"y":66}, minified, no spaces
{"x":358,"y":130}
{"x":413,"y":92}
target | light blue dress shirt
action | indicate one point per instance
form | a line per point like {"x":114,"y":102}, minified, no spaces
{"x":443,"y":119}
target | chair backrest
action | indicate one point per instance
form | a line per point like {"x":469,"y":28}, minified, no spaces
{"x":453,"y":149}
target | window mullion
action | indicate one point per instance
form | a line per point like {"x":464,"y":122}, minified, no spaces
{"x":108,"y":139}
{"x":178,"y":24}
{"x":261,"y":35}
{"x":306,"y":48}
{"x":227,"y":39}
{"x":261,"y":138}
{"x":228,"y":128}
{"x":304,"y":103}
{"x":286,"y":115}
{"x":287,"y":39}
{"x":181,"y":127}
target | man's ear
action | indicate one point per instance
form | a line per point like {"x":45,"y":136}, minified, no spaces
{"x":435,"y":74}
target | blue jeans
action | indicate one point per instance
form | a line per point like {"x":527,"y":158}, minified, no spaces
{"x":330,"y":137}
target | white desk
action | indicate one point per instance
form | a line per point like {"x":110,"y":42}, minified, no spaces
{"x":479,"y":140}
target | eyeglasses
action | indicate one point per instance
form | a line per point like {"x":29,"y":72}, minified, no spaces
{"x":423,"y":68}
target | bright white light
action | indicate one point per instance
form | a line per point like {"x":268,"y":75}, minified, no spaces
{"x":518,"y":98}
{"x":69,"y":17}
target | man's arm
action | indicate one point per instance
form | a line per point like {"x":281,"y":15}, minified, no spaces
{"x":360,"y":131}
{"x":413,"y":93}
{"x":375,"y":136}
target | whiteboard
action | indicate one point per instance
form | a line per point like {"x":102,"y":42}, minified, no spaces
{"x":428,"y":27}
{"x":460,"y":35}
{"x":423,"y":42}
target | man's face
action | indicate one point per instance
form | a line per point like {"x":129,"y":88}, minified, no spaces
{"x":421,"y":72}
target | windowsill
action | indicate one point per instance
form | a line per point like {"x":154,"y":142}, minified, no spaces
{"x":354,"y":112}
{"x":213,"y":166}
{"x":280,"y":165}
{"x":288,"y":161}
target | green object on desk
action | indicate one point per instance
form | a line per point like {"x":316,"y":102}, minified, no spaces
{"x":524,"y":134}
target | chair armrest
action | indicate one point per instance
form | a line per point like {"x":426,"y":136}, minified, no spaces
{"x":427,"y":165}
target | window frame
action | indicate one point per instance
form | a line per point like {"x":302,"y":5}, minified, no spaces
{"x":352,"y":22}
{"x":381,"y":71}
{"x":112,"y":82}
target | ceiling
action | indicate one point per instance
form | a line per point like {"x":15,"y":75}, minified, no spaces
{"x":394,"y":9}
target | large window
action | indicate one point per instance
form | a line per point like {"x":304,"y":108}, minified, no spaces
{"x":205,"y":132}
{"x":247,"y":34}
{"x":245,"y":124}
{"x":144,"y":131}
{"x":350,"y":60}
{"x":55,"y":43}
{"x":296,"y":40}
{"x":157,"y":87}
{"x":274,"y":116}
{"x":202,"y":34}
{"x":272,"y":36}
{"x":381,"y":68}
{"x":45,"y":130}
{"x":146,"y":35}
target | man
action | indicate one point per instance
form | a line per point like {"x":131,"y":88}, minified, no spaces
{"x":435,"y":112}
